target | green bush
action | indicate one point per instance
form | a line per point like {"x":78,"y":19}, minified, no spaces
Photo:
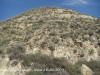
{"x":28,"y":59}
{"x":37,"y":58}
{"x":4,"y":42}
{"x":16,"y":52}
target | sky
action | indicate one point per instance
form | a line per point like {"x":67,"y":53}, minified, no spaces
{"x":11,"y":8}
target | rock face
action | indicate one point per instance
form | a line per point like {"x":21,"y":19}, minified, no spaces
{"x":86,"y":70}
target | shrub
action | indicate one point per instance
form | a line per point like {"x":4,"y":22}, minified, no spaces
{"x":51,"y":48}
{"x":4,"y":42}
{"x":90,"y":33}
{"x":16,"y":52}
{"x":59,"y":22}
{"x":16,"y":56}
{"x":16,"y":49}
{"x":12,"y":31}
{"x":64,"y":36}
{"x":28,"y":59}
{"x":5,"y":27}
{"x":14,"y":63}
{"x":82,"y":55}
{"x":43,"y":45}
{"x":53,"y":34}
{"x":37,"y":58}
{"x":98,"y":31}
{"x":41,"y":21}
{"x":74,"y":51}
{"x":74,"y":26}
{"x":55,"y":40}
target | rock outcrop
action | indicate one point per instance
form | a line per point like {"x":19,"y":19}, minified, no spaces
{"x":86,"y":70}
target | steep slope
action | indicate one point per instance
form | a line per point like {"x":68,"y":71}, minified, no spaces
{"x":53,"y":32}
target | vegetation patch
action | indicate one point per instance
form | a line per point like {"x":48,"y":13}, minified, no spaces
{"x":16,"y":52}
{"x":4,"y":42}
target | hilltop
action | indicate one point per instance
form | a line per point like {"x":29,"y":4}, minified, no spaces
{"x":49,"y":37}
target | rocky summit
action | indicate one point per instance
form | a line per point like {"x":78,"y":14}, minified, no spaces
{"x":49,"y":37}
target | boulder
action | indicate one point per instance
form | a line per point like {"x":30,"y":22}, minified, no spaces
{"x":86,"y":70}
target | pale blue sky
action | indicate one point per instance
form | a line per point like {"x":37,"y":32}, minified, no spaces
{"x":10,"y":8}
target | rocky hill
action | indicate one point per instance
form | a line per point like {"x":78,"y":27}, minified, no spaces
{"x":48,"y":38}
